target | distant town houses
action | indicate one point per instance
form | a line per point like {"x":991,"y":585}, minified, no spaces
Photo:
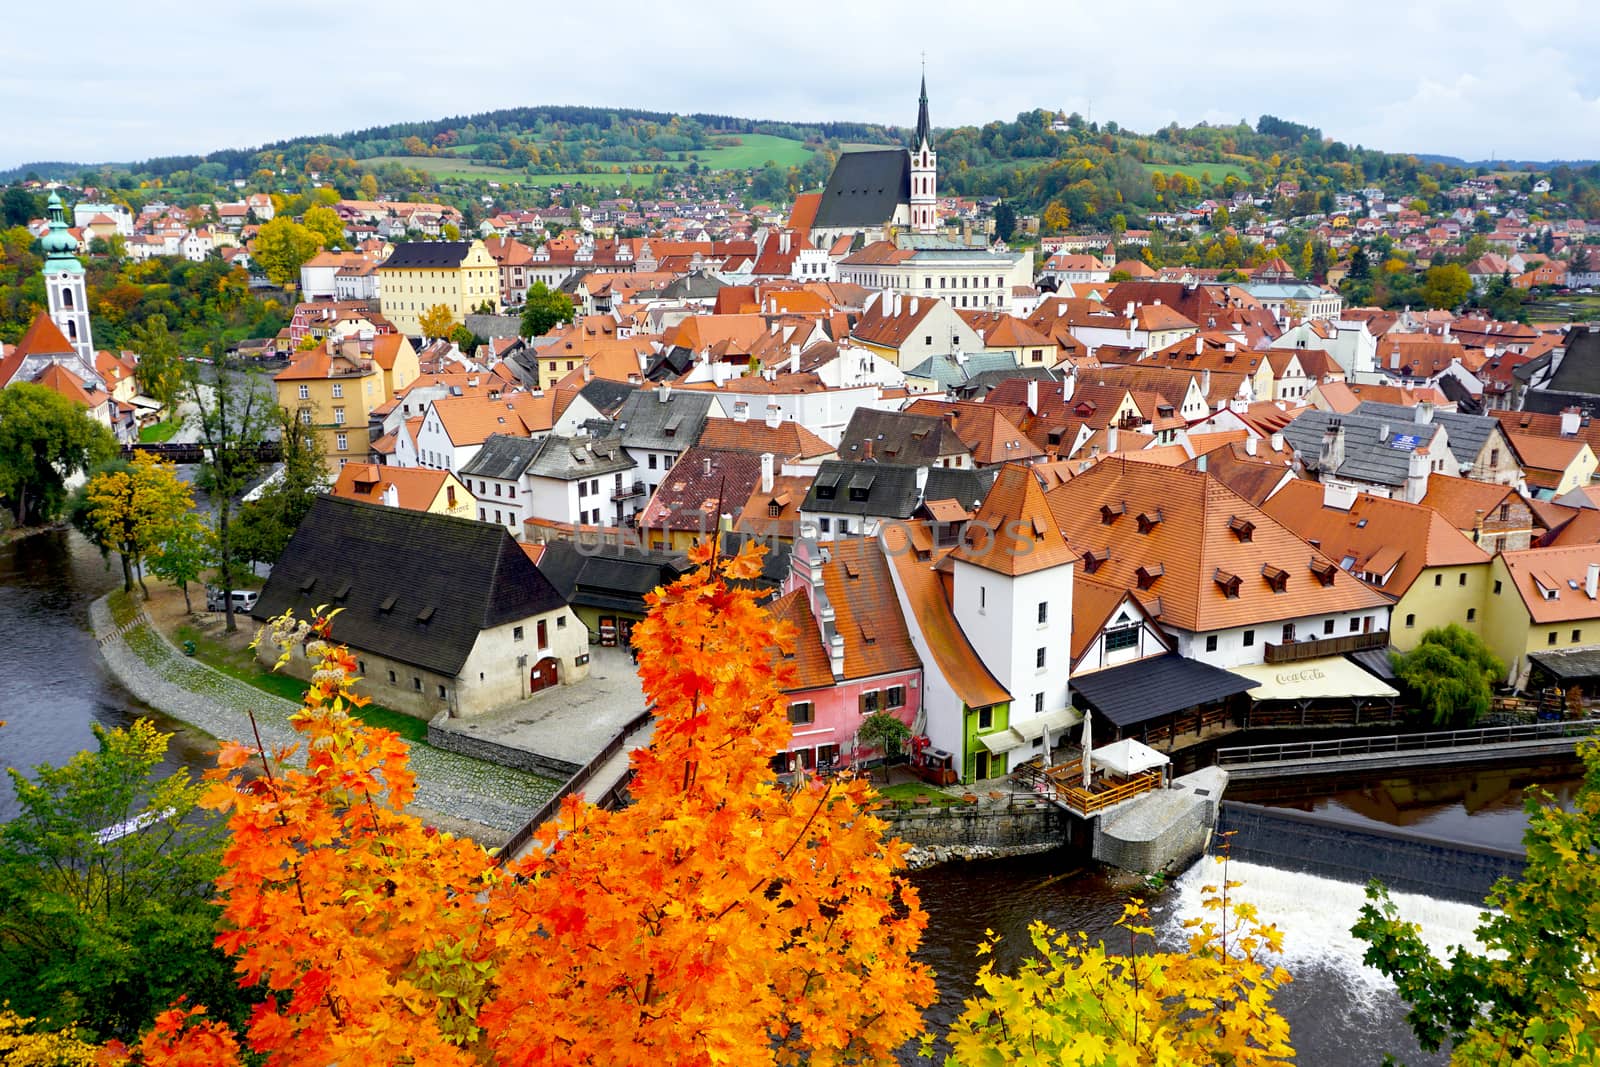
{"x":1000,"y":489}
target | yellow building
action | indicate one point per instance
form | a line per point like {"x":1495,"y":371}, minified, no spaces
{"x":336,"y":387}
{"x":1552,"y":466}
{"x":416,"y":488}
{"x":1542,"y":600}
{"x":420,"y":275}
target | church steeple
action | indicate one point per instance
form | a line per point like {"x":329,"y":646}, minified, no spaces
{"x":924,"y":127}
{"x":924,"y":170}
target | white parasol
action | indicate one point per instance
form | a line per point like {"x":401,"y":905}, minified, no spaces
{"x":1088,"y":744}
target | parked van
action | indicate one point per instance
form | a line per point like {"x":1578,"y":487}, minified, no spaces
{"x":244,"y":600}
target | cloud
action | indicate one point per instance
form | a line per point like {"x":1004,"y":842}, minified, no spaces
{"x":1468,"y":78}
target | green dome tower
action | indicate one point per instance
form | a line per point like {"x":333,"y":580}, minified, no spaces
{"x":64,"y":283}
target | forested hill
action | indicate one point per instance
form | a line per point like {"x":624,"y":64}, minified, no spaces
{"x":502,"y":136}
{"x":1085,"y":173}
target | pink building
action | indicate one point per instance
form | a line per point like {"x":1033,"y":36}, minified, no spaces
{"x":852,"y":654}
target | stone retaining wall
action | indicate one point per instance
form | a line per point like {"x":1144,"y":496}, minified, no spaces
{"x":974,"y":831}
{"x":463,"y":744}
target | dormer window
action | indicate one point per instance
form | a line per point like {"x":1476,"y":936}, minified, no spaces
{"x":1243,"y":529}
{"x":1093,"y":560}
{"x":1277,"y":578}
{"x":1324,"y":571}
{"x":1110,"y":512}
{"x":1147,"y":574}
{"x":1229,"y":583}
{"x":1149,"y":520}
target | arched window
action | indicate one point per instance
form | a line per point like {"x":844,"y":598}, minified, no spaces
{"x":72,"y":331}
{"x":66,"y":297}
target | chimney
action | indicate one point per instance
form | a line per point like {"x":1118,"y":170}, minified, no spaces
{"x":1033,"y":395}
{"x":1571,"y":421}
{"x":1277,"y":442}
{"x":1111,"y":439}
{"x":1332,"y":447}
{"x":741,"y":412}
{"x":773,"y":416}
{"x":1338,"y":497}
{"x":1591,"y":581}
{"x":1205,"y":384}
{"x":706,"y":460}
{"x":1424,"y":412}
{"x":794,"y":358}
{"x":1199,"y":344}
{"x":766,"y":472}
{"x":1250,"y":446}
{"x":664,"y":393}
{"x":588,"y":371}
{"x":866,"y":449}
{"x":391,"y":496}
{"x":1383,"y":432}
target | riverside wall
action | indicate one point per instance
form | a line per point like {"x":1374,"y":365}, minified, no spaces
{"x":979,"y":831}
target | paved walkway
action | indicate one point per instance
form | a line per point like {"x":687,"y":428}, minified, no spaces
{"x":571,"y":723}
{"x":488,"y":800}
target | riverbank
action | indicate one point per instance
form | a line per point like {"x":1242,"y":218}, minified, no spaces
{"x":486,"y":802}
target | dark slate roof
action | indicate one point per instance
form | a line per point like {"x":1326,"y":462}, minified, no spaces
{"x":1467,"y":433}
{"x":1548,"y":402}
{"x":525,"y":365}
{"x":672,"y":425}
{"x":899,"y":437}
{"x":1365,"y":457}
{"x":671,"y":362}
{"x":414,"y":587}
{"x":967,"y":487}
{"x":979,"y":385}
{"x":416,"y":255}
{"x":503,"y":457}
{"x":699,"y":285}
{"x":865,"y":189}
{"x":607,"y":577}
{"x":1579,"y":370}
{"x":606,"y":395}
{"x":885,"y":490}
{"x":495,"y":325}
{"x":572,"y":458}
{"x":1456,"y":390}
{"x":1576,"y":665}
{"x":1150,"y":688}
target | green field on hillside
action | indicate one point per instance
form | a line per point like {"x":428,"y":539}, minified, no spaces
{"x":1199,"y":171}
{"x":449,"y":167}
{"x":756,"y":151}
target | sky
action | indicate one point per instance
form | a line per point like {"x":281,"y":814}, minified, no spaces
{"x":1478,"y":79}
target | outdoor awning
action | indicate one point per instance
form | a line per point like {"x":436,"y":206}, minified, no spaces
{"x":1027,"y":731}
{"x":1579,"y":665}
{"x":1002,"y":741}
{"x":1034,"y":726}
{"x":1127,"y":758}
{"x":1150,"y":688}
{"x":1308,"y":679}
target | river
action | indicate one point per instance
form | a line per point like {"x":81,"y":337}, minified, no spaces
{"x":53,"y":689}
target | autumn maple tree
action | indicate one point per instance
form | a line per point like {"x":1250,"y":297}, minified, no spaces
{"x":724,"y":917}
